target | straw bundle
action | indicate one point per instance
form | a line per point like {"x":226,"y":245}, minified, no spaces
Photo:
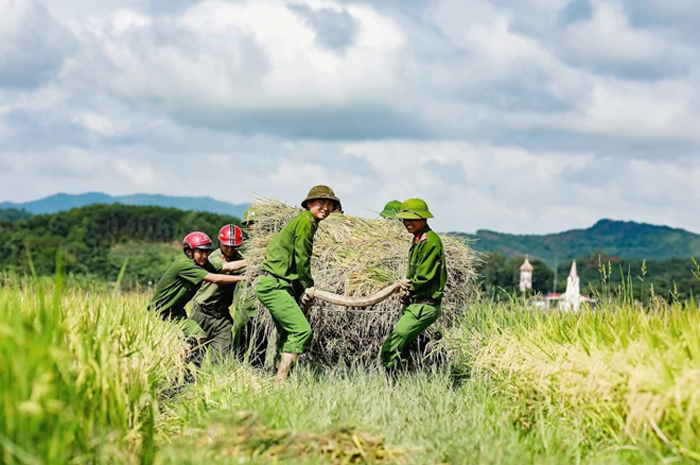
{"x":357,"y":257}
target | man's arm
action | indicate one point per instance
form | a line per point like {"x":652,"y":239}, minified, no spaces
{"x":223,"y":278}
{"x":303,"y":250}
{"x":230,"y":267}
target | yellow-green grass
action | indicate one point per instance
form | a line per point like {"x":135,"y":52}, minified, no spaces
{"x":80,"y":374}
{"x":622,"y":372}
{"x":87,"y":376}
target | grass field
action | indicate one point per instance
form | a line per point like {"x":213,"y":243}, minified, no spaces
{"x":91,"y":377}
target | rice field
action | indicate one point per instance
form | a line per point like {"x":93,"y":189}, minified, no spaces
{"x":89,"y":376}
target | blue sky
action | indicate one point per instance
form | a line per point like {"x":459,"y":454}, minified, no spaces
{"x":523,"y":116}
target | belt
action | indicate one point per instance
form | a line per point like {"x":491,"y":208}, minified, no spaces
{"x":267,"y":273}
{"x":206,"y":311}
{"x":430,"y":302}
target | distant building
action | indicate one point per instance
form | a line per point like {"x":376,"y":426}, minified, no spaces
{"x":572,"y":298}
{"x":526,"y":275}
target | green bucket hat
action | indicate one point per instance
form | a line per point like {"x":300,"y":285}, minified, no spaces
{"x":320,"y":192}
{"x":391,"y":209}
{"x":248,"y":216}
{"x":414,"y":209}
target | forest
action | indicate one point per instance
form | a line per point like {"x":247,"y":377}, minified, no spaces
{"x":96,"y":240}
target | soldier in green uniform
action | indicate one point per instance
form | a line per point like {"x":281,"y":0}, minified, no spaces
{"x":210,"y":308}
{"x":187,"y":273}
{"x":391,"y":209}
{"x":423,"y":287}
{"x":249,"y":341}
{"x":287,"y":274}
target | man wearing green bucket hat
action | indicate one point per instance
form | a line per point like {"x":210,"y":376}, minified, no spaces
{"x":423,"y":287}
{"x":286,"y":274}
{"x":391,"y":209}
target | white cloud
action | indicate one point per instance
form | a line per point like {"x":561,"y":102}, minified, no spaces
{"x":499,"y":112}
{"x":608,"y":36}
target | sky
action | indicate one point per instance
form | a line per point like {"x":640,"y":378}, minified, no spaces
{"x":521,"y":116}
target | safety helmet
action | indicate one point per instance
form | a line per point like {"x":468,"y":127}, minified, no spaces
{"x":231,"y":235}
{"x":197,"y":240}
{"x":414,"y":209}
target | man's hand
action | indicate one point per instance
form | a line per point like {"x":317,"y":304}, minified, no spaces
{"x":234,"y":266}
{"x":305,"y":302}
{"x":404,"y":294}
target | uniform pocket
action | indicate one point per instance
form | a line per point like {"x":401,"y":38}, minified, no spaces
{"x":423,"y":311}
{"x":416,"y":310}
{"x":266,"y":284}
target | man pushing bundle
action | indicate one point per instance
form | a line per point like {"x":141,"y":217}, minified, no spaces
{"x":212,"y":302}
{"x":423,"y":287}
{"x":187,"y":273}
{"x":287,"y":274}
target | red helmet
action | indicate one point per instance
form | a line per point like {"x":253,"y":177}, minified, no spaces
{"x":231,"y":235}
{"x":197,"y":240}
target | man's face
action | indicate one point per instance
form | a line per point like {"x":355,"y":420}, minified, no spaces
{"x":321,"y":208}
{"x":414,"y":226}
{"x":228,"y":250}
{"x":200,"y":256}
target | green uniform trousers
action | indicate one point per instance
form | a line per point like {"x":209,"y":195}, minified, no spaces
{"x":217,"y":327}
{"x":293,"y":329}
{"x":249,"y":338}
{"x":415,"y":318}
{"x":190,"y":327}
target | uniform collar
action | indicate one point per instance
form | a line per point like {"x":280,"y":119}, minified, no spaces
{"x":422,"y":235}
{"x":311,"y":217}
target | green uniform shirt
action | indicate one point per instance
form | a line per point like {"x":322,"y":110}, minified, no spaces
{"x":288,"y":255}
{"x":179,"y":284}
{"x":216,"y":297}
{"x":427,"y":269}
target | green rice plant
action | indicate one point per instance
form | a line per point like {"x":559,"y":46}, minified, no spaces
{"x":86,"y":376}
{"x":624,"y":372}
{"x":81,"y":374}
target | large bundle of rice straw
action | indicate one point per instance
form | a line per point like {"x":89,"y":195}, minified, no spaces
{"x":357,"y":257}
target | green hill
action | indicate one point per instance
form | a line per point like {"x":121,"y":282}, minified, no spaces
{"x":96,"y":240}
{"x":627,"y":240}
{"x":63,"y":202}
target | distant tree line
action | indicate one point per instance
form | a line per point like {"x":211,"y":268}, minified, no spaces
{"x":95,"y":240}
{"x":13,"y":214}
{"x":674,"y":278}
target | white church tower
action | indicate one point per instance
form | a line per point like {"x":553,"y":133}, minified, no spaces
{"x":572,"y":296}
{"x":526,"y":275}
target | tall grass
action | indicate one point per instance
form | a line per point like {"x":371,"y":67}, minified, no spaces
{"x":80,"y":374}
{"x":84,"y":372}
{"x":422,"y":418}
{"x":622,"y":372}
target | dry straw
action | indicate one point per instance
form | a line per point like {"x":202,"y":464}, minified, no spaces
{"x":357,"y":257}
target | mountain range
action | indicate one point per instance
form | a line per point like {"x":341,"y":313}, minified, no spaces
{"x":62,"y":202}
{"x":623,"y":239}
